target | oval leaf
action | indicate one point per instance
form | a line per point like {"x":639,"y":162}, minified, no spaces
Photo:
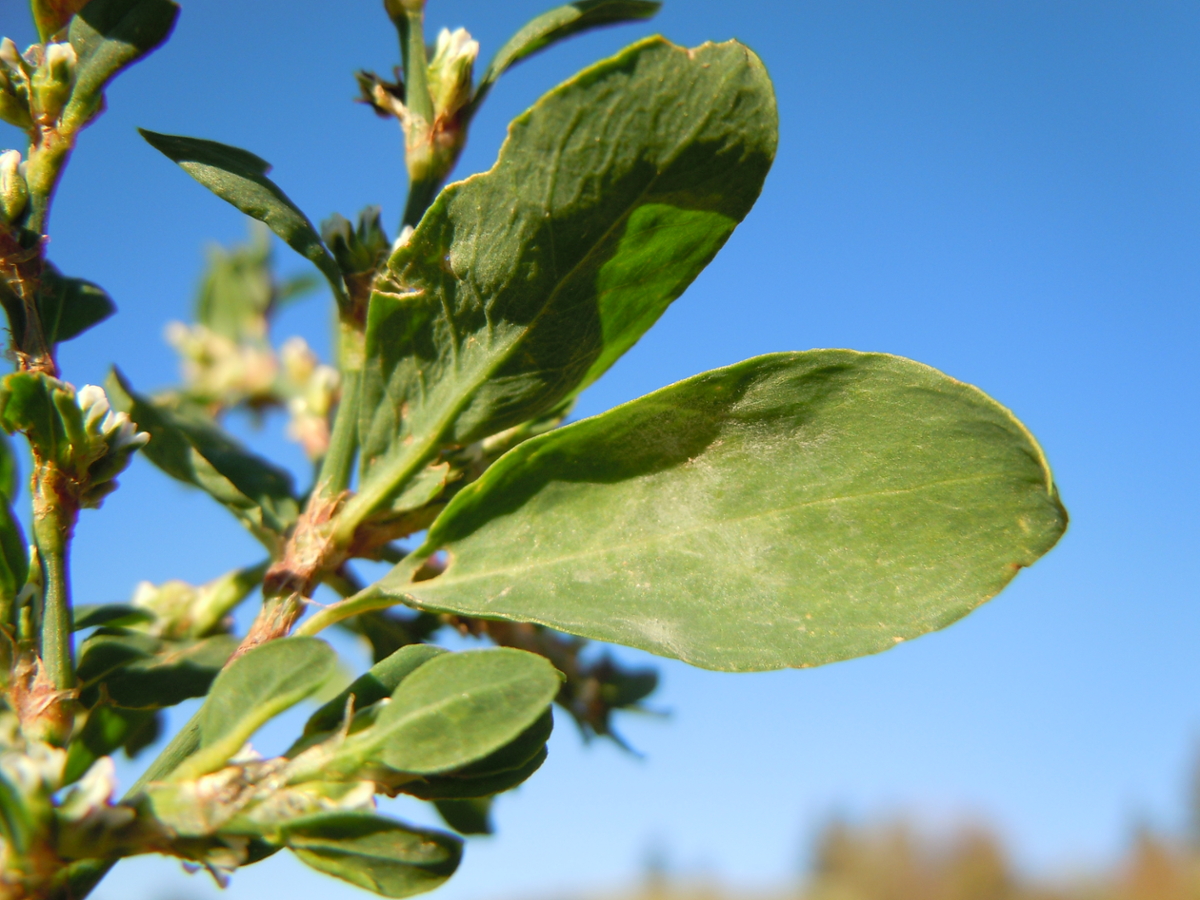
{"x":253,"y":689}
{"x":460,"y":707}
{"x":791,"y":510}
{"x":380,"y":681}
{"x":524,"y":284}
{"x":381,"y":855}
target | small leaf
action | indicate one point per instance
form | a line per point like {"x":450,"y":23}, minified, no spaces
{"x":556,"y":25}
{"x":791,"y":510}
{"x":139,"y":671}
{"x":16,"y":826}
{"x":108,"y":729}
{"x":253,"y":689}
{"x":107,"y":36}
{"x":498,"y":771}
{"x":197,"y":452}
{"x":459,"y":707}
{"x":240,"y":178}
{"x":613,"y":193}
{"x":113,"y":614}
{"x":9,"y":472}
{"x":14,"y":554}
{"x":467,"y":816}
{"x":381,"y":855}
{"x":380,"y":681}
{"x":448,"y":787}
{"x":70,"y":306}
{"x":52,"y":16}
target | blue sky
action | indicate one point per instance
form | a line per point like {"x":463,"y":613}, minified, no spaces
{"x":1008,"y":191}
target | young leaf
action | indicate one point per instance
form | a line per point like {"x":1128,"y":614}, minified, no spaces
{"x":452,"y":787}
{"x":139,"y":671}
{"x":459,"y":707}
{"x":791,"y":510}
{"x":381,"y":855}
{"x":107,"y":36}
{"x":380,"y":681}
{"x":556,"y":25}
{"x":240,"y":178}
{"x":467,"y":816}
{"x":525,"y":283}
{"x":253,"y":689}
{"x":197,"y":452}
{"x":70,"y":306}
{"x":51,"y":16}
{"x":14,"y":554}
{"x":9,"y":474}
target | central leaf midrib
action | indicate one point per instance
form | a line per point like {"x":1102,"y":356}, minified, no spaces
{"x":448,"y":579}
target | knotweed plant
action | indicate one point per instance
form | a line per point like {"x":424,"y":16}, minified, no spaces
{"x":788,"y":511}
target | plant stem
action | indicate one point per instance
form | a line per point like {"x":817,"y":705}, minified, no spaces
{"x":53,"y":523}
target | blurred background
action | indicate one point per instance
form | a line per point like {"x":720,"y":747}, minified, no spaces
{"x":1008,"y":191}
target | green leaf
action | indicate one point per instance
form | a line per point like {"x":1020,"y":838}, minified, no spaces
{"x":197,"y":452}
{"x":467,"y":816}
{"x":240,"y":178}
{"x":9,"y":471}
{"x":381,"y":855}
{"x":556,"y":25}
{"x":137,"y":670}
{"x":51,"y":16}
{"x":791,"y":510}
{"x":108,"y":729}
{"x":17,"y":827}
{"x":107,"y":36}
{"x":449,"y":787}
{"x":70,"y":306}
{"x":522,"y":285}
{"x":380,"y":681}
{"x":459,"y":707}
{"x":253,"y":689}
{"x":498,"y":771}
{"x":237,"y":290}
{"x":14,"y":554}
{"x":112,"y":614}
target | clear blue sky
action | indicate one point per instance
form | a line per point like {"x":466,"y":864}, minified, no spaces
{"x":1009,"y":191}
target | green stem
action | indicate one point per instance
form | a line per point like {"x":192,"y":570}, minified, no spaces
{"x":52,"y":527}
{"x":420,"y":197}
{"x":338,"y":465}
{"x":416,"y":65}
{"x":366,"y":600}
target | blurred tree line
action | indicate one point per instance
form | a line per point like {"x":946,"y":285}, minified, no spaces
{"x":897,"y":861}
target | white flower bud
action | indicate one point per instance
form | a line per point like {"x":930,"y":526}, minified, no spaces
{"x":54,"y":78}
{"x":14,"y":192}
{"x":451,"y":72}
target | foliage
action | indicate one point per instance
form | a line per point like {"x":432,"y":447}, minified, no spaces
{"x":786,"y":511}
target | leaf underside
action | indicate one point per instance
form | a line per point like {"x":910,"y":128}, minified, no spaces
{"x":792,"y":510}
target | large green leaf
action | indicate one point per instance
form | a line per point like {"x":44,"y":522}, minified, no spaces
{"x":107,"y":36}
{"x":525,"y":283}
{"x":558,"y":24}
{"x":253,"y":689}
{"x":240,"y":178}
{"x":791,"y":510}
{"x":70,"y":306}
{"x":381,"y":855}
{"x":199,"y":453}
